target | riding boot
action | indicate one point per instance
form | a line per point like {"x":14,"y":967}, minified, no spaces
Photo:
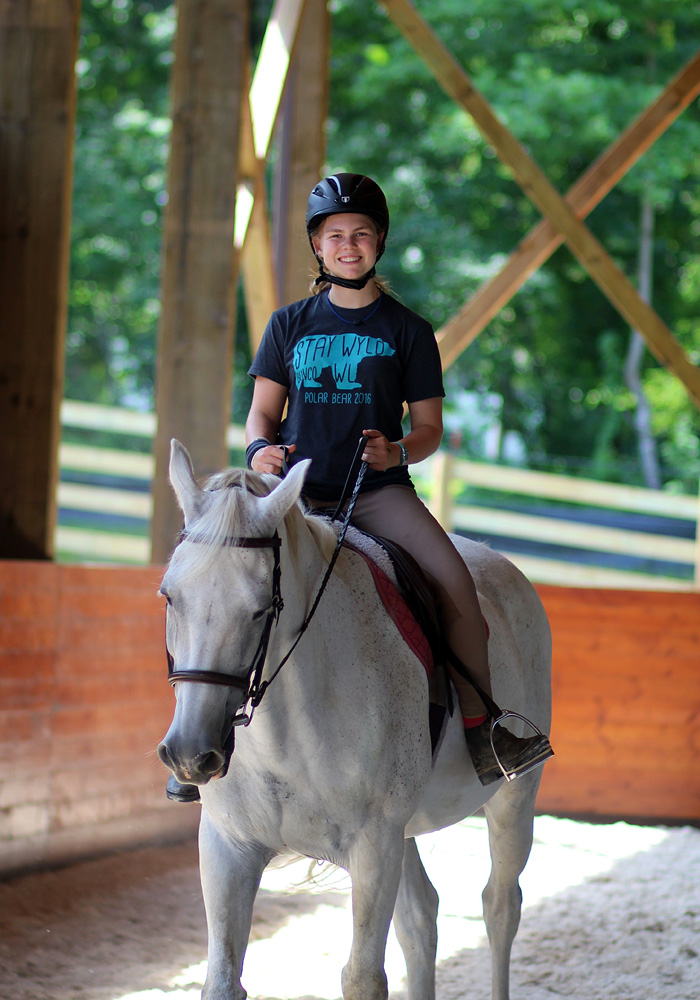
{"x":181,"y":793}
{"x":517,"y":755}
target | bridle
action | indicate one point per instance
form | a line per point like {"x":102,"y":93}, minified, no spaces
{"x":252,"y":685}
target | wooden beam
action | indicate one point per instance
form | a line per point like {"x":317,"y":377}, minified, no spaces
{"x":258,"y":268}
{"x":193,"y":384}
{"x":260,"y":113}
{"x":534,"y":183}
{"x":271,"y":70}
{"x":302,"y":150}
{"x":252,"y":238}
{"x":543,"y":239}
{"x":266,"y":90}
{"x":38,"y":50}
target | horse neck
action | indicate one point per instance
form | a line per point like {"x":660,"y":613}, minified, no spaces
{"x":305,"y":556}
{"x":304,"y":560}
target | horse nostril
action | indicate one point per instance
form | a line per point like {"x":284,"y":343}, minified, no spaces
{"x":210,"y":763}
{"x":165,"y":755}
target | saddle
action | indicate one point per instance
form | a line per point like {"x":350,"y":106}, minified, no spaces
{"x":415,"y":614}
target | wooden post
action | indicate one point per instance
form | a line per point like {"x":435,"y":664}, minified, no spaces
{"x":260,"y":114}
{"x":303,"y":146}
{"x":259,"y":268}
{"x":252,"y":232}
{"x":195,"y":353}
{"x":38,"y":50}
{"x":266,"y":89}
{"x":440,"y":499}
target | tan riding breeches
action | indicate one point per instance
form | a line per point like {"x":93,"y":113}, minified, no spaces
{"x":397,"y":513}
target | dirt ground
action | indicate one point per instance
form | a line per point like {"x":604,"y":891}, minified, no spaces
{"x":610,"y":912}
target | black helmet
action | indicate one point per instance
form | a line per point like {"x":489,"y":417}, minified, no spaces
{"x":347,"y":193}
{"x":342,"y":193}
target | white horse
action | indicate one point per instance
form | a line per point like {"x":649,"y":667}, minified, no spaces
{"x":336,"y":763}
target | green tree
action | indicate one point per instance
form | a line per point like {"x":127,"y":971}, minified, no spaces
{"x":122,"y":135}
{"x":566,"y":78}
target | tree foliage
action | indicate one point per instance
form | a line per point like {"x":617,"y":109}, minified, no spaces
{"x":565,"y":77}
{"x":119,"y":193}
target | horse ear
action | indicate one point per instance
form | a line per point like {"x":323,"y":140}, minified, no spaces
{"x":274,"y":506}
{"x":189,"y":495}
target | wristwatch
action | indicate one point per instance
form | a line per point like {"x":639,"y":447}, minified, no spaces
{"x":404,"y":454}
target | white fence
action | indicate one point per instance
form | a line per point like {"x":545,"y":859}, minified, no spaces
{"x":560,"y":546}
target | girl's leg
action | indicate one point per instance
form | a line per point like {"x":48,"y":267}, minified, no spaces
{"x":397,"y":513}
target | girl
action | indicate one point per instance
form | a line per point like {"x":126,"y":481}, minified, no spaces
{"x":344,"y":361}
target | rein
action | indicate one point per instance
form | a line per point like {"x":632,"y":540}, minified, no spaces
{"x":252,"y":685}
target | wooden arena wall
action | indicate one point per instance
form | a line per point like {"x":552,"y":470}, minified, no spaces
{"x":626,"y":704}
{"x":84,"y":701}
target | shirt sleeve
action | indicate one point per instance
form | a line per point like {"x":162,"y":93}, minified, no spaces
{"x":269,"y":362}
{"x":423,"y":368}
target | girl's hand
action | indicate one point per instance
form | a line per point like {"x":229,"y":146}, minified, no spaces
{"x":270,"y":458}
{"x":380,"y":453}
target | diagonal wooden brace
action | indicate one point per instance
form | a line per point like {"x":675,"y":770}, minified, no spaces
{"x":535,"y":184}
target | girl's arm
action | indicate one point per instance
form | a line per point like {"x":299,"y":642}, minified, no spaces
{"x":263,"y":421}
{"x":423,"y":439}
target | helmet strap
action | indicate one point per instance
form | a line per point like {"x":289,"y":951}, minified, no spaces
{"x":356,"y":283}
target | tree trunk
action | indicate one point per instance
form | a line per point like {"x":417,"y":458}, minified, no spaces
{"x":646,"y":443}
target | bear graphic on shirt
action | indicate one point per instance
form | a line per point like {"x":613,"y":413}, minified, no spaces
{"x":340,"y":353}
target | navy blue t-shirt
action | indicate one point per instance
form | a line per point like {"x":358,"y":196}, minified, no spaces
{"x":347,"y":370}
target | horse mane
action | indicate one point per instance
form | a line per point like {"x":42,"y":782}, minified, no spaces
{"x":221,"y":523}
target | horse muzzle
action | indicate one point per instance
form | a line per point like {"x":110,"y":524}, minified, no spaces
{"x":197,"y":770}
{"x":195,"y":758}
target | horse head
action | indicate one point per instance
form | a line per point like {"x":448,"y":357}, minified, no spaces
{"x":220,"y":594}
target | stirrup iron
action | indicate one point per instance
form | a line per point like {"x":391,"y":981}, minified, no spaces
{"x":498,"y":720}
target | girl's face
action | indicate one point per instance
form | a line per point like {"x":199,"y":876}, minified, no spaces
{"x":347,"y":244}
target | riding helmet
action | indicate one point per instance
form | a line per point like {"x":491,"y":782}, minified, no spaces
{"x":345,"y":193}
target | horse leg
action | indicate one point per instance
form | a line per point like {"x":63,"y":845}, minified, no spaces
{"x":509,"y":815}
{"x":230,"y":875}
{"x":415,"y":923}
{"x":375,"y":870}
